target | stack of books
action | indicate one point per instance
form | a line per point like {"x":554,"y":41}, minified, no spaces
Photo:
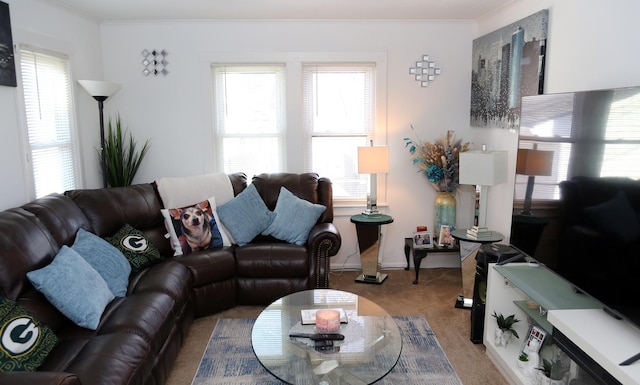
{"x":479,"y":232}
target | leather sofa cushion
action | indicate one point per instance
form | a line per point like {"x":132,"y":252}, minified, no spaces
{"x":61,"y":216}
{"x":109,"y":209}
{"x":25,"y":245}
{"x":272,"y":260}
{"x":149,"y":315}
{"x":209,"y":266}
{"x":104,"y":359}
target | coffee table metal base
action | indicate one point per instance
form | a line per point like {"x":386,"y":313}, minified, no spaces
{"x":375,"y":279}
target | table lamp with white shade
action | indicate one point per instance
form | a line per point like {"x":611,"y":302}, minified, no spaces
{"x":373,"y":160}
{"x":483,"y":168}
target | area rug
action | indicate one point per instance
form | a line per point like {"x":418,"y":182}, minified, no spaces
{"x":229,"y":358}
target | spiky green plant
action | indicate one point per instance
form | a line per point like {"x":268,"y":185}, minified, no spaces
{"x":554,"y":369}
{"x":122,"y":158}
{"x":506,"y":323}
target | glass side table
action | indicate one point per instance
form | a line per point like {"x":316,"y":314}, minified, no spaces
{"x":463,"y":302}
{"x":368,"y":229}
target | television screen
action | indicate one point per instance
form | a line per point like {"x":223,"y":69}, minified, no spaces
{"x":594,"y":135}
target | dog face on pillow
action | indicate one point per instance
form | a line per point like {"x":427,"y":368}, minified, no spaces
{"x":196,"y":227}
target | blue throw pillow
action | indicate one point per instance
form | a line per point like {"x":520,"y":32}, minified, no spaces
{"x":107,"y":260}
{"x":294,"y":219}
{"x":73,"y":287}
{"x":246,"y":215}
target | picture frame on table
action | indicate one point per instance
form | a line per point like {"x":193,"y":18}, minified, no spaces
{"x":446,"y":239}
{"x":422,"y":240}
{"x":535,"y":333}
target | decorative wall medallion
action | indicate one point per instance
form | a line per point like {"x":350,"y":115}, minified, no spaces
{"x":425,"y":71}
{"x":155,"y":62}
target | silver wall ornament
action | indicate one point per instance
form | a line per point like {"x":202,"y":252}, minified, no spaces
{"x":155,"y":62}
{"x":425,"y":71}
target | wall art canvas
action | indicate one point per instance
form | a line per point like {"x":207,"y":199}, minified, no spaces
{"x":7,"y":60}
{"x":507,"y":64}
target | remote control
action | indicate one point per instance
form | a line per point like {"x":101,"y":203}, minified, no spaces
{"x":319,"y":337}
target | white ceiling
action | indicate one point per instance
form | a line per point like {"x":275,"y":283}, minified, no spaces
{"x":122,"y":10}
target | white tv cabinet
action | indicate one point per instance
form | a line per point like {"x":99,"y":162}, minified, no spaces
{"x":580,"y":318}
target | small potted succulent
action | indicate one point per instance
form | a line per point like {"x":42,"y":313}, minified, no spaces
{"x":505,"y":329}
{"x":523,"y":360}
{"x":553,"y":372}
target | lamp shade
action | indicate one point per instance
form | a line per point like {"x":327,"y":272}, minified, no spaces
{"x":99,"y":88}
{"x":373,"y":159}
{"x":483,"y":168}
{"x":534,"y":162}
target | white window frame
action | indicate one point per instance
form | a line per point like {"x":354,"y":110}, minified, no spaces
{"x":363,"y":135}
{"x":220,"y":134}
{"x":73,"y":142}
{"x":298,"y":143}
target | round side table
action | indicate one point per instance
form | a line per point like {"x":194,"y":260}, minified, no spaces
{"x":368,"y":229}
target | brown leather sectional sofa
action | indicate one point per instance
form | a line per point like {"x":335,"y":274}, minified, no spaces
{"x":140,"y":335}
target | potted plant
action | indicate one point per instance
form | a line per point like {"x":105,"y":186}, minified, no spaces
{"x":553,"y":371}
{"x":505,"y":329}
{"x":122,"y":159}
{"x":523,"y":360}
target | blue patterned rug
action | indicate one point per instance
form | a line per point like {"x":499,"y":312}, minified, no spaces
{"x":229,"y":358}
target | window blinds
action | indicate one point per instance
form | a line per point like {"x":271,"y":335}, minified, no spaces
{"x":46,"y":85}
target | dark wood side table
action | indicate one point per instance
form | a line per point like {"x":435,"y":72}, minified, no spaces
{"x":368,"y":229}
{"x":420,"y":254}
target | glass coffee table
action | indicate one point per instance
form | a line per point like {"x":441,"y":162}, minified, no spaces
{"x":369,"y":351}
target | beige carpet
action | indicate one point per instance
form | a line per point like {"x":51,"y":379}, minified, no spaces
{"x":433,"y":298}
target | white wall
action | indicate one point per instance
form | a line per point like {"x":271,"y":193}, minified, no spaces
{"x":175,"y":111}
{"x":591,"y":45}
{"x":41,"y":25}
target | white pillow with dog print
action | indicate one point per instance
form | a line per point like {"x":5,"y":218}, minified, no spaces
{"x":195,"y":227}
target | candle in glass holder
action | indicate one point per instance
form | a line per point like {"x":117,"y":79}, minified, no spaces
{"x":327,"y":321}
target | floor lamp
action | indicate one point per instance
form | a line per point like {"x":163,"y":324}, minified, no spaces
{"x":484,"y":169}
{"x":533,"y":162}
{"x":100,"y":91}
{"x":373,"y":160}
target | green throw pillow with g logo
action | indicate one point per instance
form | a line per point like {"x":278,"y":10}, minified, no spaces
{"x":24,"y":341}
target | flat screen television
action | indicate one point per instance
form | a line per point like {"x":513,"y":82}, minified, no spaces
{"x":591,"y":133}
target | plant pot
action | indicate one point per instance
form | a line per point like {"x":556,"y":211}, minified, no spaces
{"x":523,"y":364}
{"x":544,"y":380}
{"x":502,"y":337}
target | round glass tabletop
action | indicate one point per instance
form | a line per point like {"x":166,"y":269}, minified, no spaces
{"x":370,"y":349}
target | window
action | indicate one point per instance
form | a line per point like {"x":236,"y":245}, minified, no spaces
{"x":303,"y":115}
{"x":249,"y":118}
{"x":52,"y":154}
{"x":339,"y":117}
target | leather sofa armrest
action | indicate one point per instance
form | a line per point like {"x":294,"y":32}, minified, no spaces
{"x":324,"y":242}
{"x":325,"y":238}
{"x":39,"y":378}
